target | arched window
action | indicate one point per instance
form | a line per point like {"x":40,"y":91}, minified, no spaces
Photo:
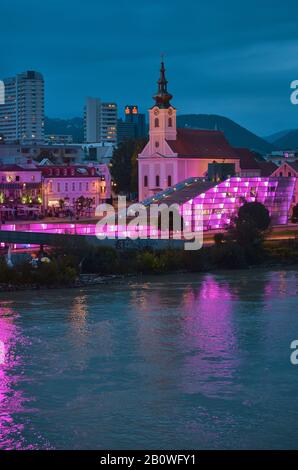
{"x":156,"y":122}
{"x":156,"y":144}
{"x":170,"y":122}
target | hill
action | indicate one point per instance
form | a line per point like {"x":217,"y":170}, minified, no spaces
{"x":272,"y":138}
{"x":72,"y":127}
{"x":288,"y":141}
{"x":237,"y":135}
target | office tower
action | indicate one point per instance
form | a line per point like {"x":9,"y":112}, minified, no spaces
{"x":22,"y":113}
{"x":134,"y":125}
{"x":100,"y":122}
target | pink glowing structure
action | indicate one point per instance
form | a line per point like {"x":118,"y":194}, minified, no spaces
{"x":220,"y":204}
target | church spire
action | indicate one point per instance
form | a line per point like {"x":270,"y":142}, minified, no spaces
{"x":162,"y":97}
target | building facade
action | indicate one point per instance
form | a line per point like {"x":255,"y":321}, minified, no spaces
{"x":66,"y":185}
{"x":100,"y":121}
{"x":133,"y":126}
{"x":33,"y":189}
{"x":289,"y":170}
{"x":22,"y":113}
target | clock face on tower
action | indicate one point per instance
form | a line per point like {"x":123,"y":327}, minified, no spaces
{"x":170,"y":112}
{"x":156,"y":112}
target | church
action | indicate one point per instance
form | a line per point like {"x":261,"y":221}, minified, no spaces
{"x":173,"y":155}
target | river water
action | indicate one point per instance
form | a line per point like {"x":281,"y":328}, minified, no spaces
{"x":182,"y":361}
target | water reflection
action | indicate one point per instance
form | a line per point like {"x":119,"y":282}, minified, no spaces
{"x":211,"y":361}
{"x":164,"y":362}
{"x":11,"y":399}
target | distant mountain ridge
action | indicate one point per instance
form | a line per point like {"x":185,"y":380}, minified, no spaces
{"x":272,"y":138}
{"x":73,"y":127}
{"x":287,"y":140}
{"x":237,"y":135}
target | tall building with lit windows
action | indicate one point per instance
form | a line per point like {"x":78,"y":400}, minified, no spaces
{"x":100,"y":122}
{"x":22,"y":113}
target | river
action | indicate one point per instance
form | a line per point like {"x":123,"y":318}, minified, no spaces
{"x":188,"y":361}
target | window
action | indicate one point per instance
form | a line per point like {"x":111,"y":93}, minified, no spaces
{"x":157,"y":180}
{"x":58,"y":187}
{"x":156,"y":144}
{"x":80,"y":186}
{"x":73,"y":187}
{"x":169,"y":180}
{"x":156,"y":122}
{"x":87,"y":186}
{"x":145,"y":181}
{"x":170,"y":122}
{"x":17,"y":178}
{"x":289,"y":174}
{"x":280,"y":173}
{"x":66,"y":187}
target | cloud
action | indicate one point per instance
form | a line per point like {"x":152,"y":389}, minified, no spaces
{"x":239,"y":56}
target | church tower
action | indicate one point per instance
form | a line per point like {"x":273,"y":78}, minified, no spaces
{"x":162,"y":116}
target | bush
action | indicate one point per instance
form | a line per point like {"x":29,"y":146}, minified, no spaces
{"x":149,"y":263}
{"x":101,"y":260}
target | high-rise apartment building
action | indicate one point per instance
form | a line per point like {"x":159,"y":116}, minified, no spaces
{"x":22,"y":113}
{"x":100,"y":122}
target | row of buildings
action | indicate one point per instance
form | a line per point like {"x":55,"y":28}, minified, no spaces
{"x":22,"y":117}
{"x":174,"y":165}
{"x":32,"y":190}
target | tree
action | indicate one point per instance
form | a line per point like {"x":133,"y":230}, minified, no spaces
{"x":249,"y":227}
{"x":254,"y":213}
{"x":124,"y":164}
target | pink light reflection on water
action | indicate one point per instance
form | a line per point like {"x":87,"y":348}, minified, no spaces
{"x":12,"y":400}
{"x":209,"y":331}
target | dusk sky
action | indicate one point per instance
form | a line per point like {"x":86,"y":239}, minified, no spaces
{"x":234,"y":58}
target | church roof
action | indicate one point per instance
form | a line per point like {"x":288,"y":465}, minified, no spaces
{"x":248,"y":161}
{"x":194,"y":143}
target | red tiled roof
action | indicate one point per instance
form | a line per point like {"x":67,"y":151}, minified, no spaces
{"x":247,"y":159}
{"x":267,"y":168}
{"x":193,"y":143}
{"x":68,"y":171}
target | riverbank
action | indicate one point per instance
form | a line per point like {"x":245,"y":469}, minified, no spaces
{"x":78,"y":266}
